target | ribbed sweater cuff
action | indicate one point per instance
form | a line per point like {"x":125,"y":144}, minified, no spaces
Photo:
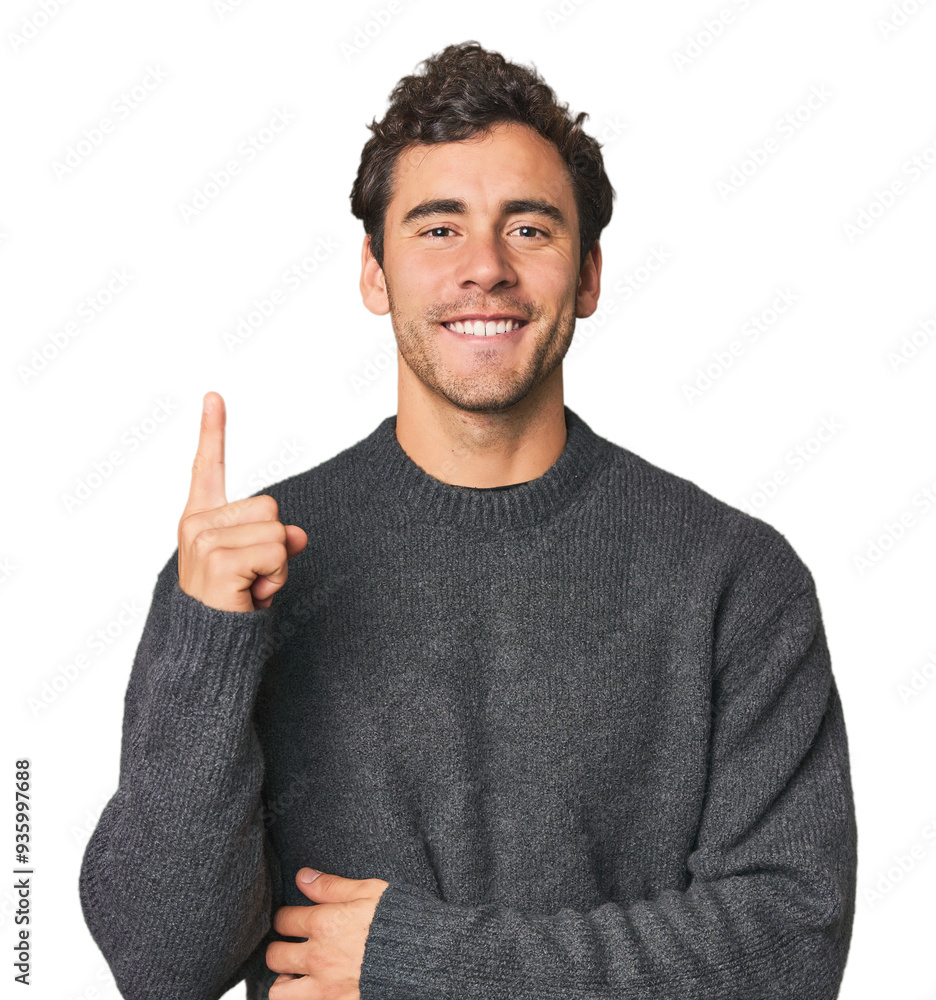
{"x":396,"y":939}
{"x":215,"y":657}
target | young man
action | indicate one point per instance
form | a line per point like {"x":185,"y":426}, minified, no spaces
{"x":552,"y":721}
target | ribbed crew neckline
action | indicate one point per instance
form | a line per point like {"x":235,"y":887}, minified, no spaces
{"x":406,"y":491}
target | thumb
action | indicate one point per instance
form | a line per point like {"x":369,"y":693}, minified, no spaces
{"x":324,"y":888}
{"x":308,"y":879}
{"x":296,"y":541}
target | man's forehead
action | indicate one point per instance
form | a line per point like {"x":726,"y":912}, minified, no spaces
{"x":441,"y":172}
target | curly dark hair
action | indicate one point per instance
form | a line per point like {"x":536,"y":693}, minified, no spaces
{"x":465,"y":90}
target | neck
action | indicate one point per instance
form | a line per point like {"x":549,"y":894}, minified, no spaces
{"x":401,"y":494}
{"x":481,"y":449}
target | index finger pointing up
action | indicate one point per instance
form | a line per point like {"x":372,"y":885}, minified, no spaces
{"x":207,"y":489}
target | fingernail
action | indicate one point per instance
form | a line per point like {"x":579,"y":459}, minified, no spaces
{"x":206,"y":404}
{"x":308,"y":875}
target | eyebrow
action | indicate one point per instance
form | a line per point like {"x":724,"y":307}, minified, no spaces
{"x":454,"y":206}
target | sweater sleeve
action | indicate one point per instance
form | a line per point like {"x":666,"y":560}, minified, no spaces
{"x":175,"y":881}
{"x":770,"y":883}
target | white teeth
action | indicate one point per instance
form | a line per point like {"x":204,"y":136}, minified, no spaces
{"x":480,"y":328}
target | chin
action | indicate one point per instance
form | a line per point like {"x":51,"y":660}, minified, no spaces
{"x":489,"y":399}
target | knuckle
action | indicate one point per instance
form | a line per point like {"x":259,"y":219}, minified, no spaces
{"x":216,"y":560}
{"x":200,"y":465}
{"x":275,"y":552}
{"x":187,"y":524}
{"x":306,"y":917}
{"x":225,"y":516}
{"x":336,"y":923}
{"x":267,"y":505}
{"x":205,"y":540}
{"x":313,"y":923}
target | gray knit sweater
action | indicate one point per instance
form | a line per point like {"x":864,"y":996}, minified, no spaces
{"x":586,"y":728}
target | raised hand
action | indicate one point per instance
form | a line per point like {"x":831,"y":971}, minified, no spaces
{"x":232,"y":556}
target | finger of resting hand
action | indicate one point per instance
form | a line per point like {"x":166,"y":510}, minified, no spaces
{"x":284,"y":956}
{"x":293,"y":921}
{"x":287,"y":977}
{"x":288,"y":985}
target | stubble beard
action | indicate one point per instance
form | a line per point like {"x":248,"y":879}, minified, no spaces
{"x":493,"y":387}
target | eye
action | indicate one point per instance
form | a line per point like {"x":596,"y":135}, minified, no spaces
{"x":437,"y":229}
{"x":530,"y":229}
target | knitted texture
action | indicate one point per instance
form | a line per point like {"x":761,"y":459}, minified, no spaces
{"x":586,"y":728}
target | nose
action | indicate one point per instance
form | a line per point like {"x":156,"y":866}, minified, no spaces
{"x":483,"y":261}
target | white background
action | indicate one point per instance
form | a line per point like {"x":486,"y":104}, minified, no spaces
{"x":317,"y":375}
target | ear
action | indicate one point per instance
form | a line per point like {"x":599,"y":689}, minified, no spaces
{"x":589,"y":284}
{"x":373,"y":283}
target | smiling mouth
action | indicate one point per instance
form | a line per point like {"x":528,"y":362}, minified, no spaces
{"x":482,"y":328}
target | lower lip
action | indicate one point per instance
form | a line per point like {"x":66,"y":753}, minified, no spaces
{"x":498,"y":338}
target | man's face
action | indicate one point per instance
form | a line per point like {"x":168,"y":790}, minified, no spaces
{"x":482,"y":231}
